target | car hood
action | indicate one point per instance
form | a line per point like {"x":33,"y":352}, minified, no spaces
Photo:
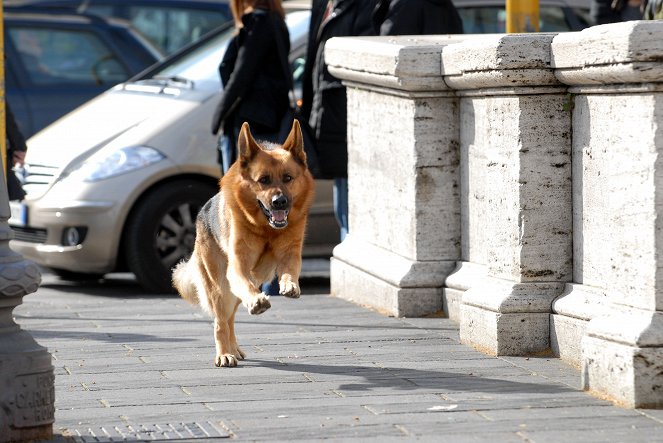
{"x":99,"y":122}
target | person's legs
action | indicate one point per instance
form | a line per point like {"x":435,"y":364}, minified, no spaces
{"x":341,"y":205}
{"x":227,"y":150}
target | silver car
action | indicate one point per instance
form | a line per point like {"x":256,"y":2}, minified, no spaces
{"x":116,"y":184}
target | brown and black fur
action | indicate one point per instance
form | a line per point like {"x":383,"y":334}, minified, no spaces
{"x":252,"y":229}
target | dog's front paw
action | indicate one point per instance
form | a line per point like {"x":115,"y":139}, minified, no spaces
{"x":239,"y":354}
{"x":259,"y":305}
{"x":225,"y":360}
{"x":289,"y":289}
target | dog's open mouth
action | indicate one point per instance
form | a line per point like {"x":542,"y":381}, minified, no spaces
{"x":277,"y":219}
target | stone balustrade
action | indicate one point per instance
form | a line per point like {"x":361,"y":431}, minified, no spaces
{"x":512,"y":182}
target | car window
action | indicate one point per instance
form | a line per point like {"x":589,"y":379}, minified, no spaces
{"x":172,"y":28}
{"x":55,"y":56}
{"x":492,"y":19}
{"x":201,"y":63}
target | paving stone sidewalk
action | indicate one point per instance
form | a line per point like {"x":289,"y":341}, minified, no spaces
{"x":131,"y":366}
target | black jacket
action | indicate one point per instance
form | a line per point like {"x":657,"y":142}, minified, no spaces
{"x":416,"y":17}
{"x":323,"y":96}
{"x":255,"y":88}
{"x":15,"y":142}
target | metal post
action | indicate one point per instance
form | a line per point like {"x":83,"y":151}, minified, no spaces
{"x":522,"y":16}
{"x":27,"y":393}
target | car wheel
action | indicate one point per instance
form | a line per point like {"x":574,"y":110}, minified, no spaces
{"x":161,"y":232}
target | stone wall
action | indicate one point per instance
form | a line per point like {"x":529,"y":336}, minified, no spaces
{"x":512,"y":181}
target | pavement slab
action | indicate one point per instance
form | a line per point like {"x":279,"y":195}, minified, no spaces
{"x":132,"y":366}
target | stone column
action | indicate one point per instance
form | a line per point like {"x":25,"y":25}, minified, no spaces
{"x":610,"y":319}
{"x":403,"y":174}
{"x":515,"y":190}
{"x":27,"y":394}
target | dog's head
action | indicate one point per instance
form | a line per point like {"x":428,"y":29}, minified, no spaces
{"x":274,"y":175}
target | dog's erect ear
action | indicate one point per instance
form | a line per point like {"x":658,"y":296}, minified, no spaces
{"x":247,"y":147}
{"x":295,"y":142}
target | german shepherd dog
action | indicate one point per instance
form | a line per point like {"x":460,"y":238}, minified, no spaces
{"x":248,"y":232}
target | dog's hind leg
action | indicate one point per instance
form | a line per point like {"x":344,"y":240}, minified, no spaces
{"x":222,"y":304}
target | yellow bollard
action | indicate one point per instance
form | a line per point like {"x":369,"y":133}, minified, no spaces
{"x":522,"y":16}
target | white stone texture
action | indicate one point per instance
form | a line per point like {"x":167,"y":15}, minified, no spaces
{"x":499,"y":61}
{"x":515,"y":189}
{"x":466,"y":275}
{"x":616,"y":196}
{"x":403,"y":149}
{"x":629,"y":375}
{"x":504,"y":334}
{"x":565,"y":336}
{"x":519,"y":191}
{"x":403,"y":174}
{"x":410,"y":63}
{"x":613,"y":308}
{"x":629,"y":52}
{"x":358,"y":286}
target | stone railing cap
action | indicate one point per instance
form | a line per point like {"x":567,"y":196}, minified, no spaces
{"x":399,"y":56}
{"x":498,"y":52}
{"x":626,"y":42}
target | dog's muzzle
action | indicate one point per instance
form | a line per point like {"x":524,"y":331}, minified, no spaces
{"x":277,"y":214}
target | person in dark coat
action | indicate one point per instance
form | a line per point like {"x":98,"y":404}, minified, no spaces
{"x":16,"y":149}
{"x":416,"y":17}
{"x":255,"y":88}
{"x":324,"y":101}
{"x":614,"y":11}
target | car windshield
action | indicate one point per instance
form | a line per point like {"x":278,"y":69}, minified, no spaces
{"x":200,"y":64}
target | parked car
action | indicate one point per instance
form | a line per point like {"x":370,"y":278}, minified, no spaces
{"x":58,"y":61}
{"x":489,"y":16}
{"x":116,"y":184}
{"x":168,"y":24}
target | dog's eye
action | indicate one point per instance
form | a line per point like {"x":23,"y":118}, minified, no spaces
{"x":287,"y":178}
{"x":264,"y":180}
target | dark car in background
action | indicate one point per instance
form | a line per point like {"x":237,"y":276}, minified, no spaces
{"x":57,"y":61}
{"x":168,"y":24}
{"x":489,"y":16}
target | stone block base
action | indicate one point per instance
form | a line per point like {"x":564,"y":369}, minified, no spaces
{"x":451,"y":301}
{"x":358,"y":286}
{"x":565,"y":337}
{"x":369,"y":275}
{"x":495,"y":333}
{"x":628,"y":375}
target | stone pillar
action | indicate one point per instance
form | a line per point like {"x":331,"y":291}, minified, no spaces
{"x":27,"y":393}
{"x":403,"y":174}
{"x":515,"y":190}
{"x":610,"y":319}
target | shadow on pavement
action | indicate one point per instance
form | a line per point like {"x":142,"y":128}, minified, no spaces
{"x":415,"y":379}
{"x":124,"y":285}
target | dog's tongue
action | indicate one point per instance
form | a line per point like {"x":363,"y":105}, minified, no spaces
{"x":279,"y":216}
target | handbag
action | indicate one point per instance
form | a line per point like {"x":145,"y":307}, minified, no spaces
{"x":293,"y":112}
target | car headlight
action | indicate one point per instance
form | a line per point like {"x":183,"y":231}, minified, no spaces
{"x":103,"y":165}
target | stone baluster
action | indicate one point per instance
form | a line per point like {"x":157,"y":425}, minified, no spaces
{"x":610,"y":319}
{"x":403,"y":174}
{"x":515,"y":151}
{"x":27,"y":392}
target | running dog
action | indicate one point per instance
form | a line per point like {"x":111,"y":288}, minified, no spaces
{"x":248,"y":232}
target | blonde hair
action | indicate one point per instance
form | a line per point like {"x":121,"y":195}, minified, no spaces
{"x":238,"y":7}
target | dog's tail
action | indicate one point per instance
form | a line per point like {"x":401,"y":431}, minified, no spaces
{"x":183,"y":280}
